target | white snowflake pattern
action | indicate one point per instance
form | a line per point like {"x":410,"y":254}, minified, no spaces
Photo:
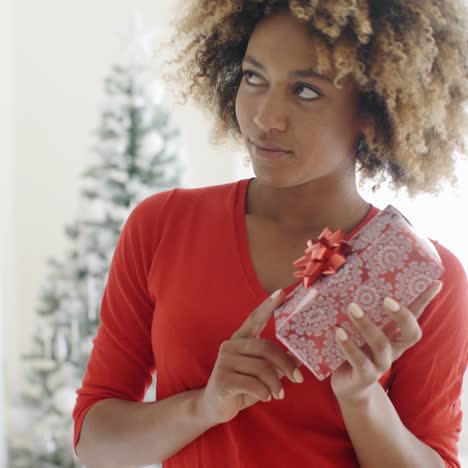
{"x":304,"y":350}
{"x":388,"y":254}
{"x":330,"y":351}
{"x":426,"y":249}
{"x":285,"y":310}
{"x":414,"y":280}
{"x":368,"y":233}
{"x":316,"y":318}
{"x":348,"y":277}
{"x":368,"y":295}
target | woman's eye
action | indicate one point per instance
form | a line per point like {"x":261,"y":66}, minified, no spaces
{"x":246,"y":74}
{"x":308,"y":94}
{"x":312,"y":94}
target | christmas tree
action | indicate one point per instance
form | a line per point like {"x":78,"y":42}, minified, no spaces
{"x":136,"y":156}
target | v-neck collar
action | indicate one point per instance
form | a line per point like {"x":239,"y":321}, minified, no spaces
{"x":243,"y":241}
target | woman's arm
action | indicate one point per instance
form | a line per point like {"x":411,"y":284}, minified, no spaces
{"x":122,"y":433}
{"x":379,"y":437}
{"x":421,"y":412}
{"x":119,"y":433}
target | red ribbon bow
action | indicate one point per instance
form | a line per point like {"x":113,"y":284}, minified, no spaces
{"x":325,"y":255}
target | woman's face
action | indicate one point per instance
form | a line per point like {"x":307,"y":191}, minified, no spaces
{"x":305,"y":114}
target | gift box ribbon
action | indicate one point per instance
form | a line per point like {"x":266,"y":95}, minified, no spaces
{"x":323,"y":256}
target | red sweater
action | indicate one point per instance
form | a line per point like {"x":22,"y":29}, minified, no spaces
{"x":181,"y":282}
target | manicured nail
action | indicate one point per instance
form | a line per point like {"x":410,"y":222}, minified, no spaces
{"x":341,"y":334}
{"x":281,"y":394}
{"x":439,"y":288}
{"x":391,"y":304}
{"x":269,"y":398}
{"x":298,"y":376}
{"x":355,"y":310}
{"x":276,"y":294}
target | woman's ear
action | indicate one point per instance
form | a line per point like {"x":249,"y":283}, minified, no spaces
{"x":366,"y":127}
{"x":366,"y":123}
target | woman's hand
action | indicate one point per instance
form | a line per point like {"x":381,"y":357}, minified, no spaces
{"x":354,"y":379}
{"x":248,"y":369}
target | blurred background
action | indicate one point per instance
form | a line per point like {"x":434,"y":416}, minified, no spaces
{"x":79,"y":86}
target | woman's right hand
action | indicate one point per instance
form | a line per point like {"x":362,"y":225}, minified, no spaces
{"x":248,"y":369}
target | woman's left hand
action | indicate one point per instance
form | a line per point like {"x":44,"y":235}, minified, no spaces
{"x":355,"y":378}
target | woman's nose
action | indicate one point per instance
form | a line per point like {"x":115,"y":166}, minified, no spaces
{"x":271,"y":115}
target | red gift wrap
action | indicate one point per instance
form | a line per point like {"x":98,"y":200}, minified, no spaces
{"x":385,"y":258}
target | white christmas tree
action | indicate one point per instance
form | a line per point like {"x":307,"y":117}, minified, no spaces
{"x":136,"y":155}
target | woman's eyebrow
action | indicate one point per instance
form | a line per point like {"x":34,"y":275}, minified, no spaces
{"x":309,"y":73}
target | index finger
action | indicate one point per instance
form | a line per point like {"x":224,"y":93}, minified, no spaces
{"x":257,"y":320}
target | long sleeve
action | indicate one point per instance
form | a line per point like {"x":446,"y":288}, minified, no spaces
{"x":427,"y":383}
{"x":121,"y":363}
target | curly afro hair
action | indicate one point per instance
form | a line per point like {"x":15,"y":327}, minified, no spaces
{"x":409,"y":60}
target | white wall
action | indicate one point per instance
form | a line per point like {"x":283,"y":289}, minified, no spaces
{"x":7,"y":171}
{"x":52,"y":83}
{"x":63,"y":51}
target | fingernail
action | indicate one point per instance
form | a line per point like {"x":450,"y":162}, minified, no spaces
{"x":355,"y":310}
{"x":298,"y":376}
{"x":439,"y":288}
{"x":269,"y":398}
{"x":391,"y":304}
{"x":341,"y":334}
{"x":281,"y":394}
{"x":276,"y":294}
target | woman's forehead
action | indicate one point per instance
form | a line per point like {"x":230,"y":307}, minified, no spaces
{"x":282,"y":38}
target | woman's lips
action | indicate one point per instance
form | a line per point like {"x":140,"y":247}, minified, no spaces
{"x":270,"y":155}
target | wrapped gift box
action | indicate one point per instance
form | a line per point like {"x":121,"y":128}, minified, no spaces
{"x":384,"y":258}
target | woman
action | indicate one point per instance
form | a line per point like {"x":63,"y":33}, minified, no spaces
{"x":312,"y":90}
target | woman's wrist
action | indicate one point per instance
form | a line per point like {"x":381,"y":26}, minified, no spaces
{"x":362,"y":399}
{"x":201,"y":409}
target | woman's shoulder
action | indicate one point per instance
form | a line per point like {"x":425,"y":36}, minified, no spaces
{"x":449,"y":309}
{"x":454,"y":269}
{"x":177,"y":201}
{"x":172,"y":206}
{"x":182,"y":195}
